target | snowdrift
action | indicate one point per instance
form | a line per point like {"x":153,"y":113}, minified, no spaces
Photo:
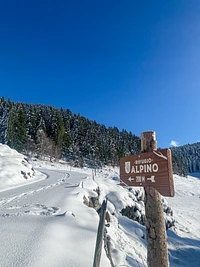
{"x":15,"y":169}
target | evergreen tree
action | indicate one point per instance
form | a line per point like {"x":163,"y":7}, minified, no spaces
{"x":20,"y":129}
{"x":16,"y":136}
{"x":11,"y":128}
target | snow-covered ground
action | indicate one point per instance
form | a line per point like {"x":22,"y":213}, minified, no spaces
{"x":184,"y":240}
{"x":46,"y":222}
{"x":15,"y":170}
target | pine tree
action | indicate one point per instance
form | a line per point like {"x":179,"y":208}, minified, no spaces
{"x":11,"y":128}
{"x":16,"y":133}
{"x":20,"y":129}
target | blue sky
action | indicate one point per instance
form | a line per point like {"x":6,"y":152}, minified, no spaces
{"x":131,"y":64}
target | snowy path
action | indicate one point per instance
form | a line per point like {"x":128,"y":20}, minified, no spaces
{"x":32,"y":233}
{"x":36,"y":199}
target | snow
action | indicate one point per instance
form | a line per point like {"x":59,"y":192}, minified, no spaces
{"x":15,"y":169}
{"x":184,"y":241}
{"x":46,"y":222}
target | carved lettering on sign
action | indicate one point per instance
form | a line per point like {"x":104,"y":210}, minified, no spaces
{"x":149,"y":169}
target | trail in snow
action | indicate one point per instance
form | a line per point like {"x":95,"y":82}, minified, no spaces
{"x":31,"y":233}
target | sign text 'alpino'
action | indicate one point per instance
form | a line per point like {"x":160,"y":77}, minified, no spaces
{"x":151,"y":169}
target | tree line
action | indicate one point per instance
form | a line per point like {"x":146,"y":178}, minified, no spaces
{"x":48,"y":131}
{"x":186,"y":158}
{"x":58,"y":133}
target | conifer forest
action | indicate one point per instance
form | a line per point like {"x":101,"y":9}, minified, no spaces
{"x":46,"y":131}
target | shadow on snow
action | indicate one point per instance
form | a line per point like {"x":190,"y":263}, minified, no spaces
{"x":183,"y":251}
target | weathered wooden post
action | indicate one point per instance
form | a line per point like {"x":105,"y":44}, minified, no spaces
{"x":152,"y":169}
{"x":100,"y":233}
{"x":157,"y":251}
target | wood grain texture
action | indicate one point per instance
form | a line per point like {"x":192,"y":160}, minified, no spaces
{"x":157,"y":250}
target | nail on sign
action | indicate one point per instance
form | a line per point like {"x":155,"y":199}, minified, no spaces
{"x":151,"y":169}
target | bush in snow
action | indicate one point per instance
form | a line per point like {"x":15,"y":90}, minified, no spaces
{"x":136,"y":212}
{"x":168,"y":213}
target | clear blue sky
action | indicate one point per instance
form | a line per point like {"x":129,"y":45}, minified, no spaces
{"x":131,"y":64}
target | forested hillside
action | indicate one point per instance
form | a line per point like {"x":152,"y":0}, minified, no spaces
{"x":48,"y":131}
{"x":187,"y":158}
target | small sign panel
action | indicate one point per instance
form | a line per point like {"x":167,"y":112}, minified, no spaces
{"x":150,"y":169}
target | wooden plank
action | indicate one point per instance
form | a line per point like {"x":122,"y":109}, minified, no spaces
{"x":100,"y":233}
{"x":150,"y":169}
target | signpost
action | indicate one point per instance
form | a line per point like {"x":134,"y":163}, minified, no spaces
{"x":152,"y":169}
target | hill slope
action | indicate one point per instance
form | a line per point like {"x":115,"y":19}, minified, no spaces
{"x":49,"y":131}
{"x":45,"y":130}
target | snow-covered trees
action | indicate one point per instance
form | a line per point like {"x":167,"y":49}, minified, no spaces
{"x":28,"y":127}
{"x":186,"y":158}
{"x":16,"y":131}
{"x":76,"y":138}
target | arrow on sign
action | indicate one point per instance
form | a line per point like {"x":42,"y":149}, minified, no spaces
{"x":130,"y":179}
{"x":152,"y":179}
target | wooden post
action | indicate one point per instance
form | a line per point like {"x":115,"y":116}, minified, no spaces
{"x":100,"y":233}
{"x":157,"y":250}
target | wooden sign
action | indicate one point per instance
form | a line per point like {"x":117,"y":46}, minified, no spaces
{"x":151,"y":169}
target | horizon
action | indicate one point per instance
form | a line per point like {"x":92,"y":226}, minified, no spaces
{"x":131,"y":65}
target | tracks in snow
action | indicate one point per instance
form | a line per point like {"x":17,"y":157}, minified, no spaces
{"x":5,"y":201}
{"x":9,"y":206}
